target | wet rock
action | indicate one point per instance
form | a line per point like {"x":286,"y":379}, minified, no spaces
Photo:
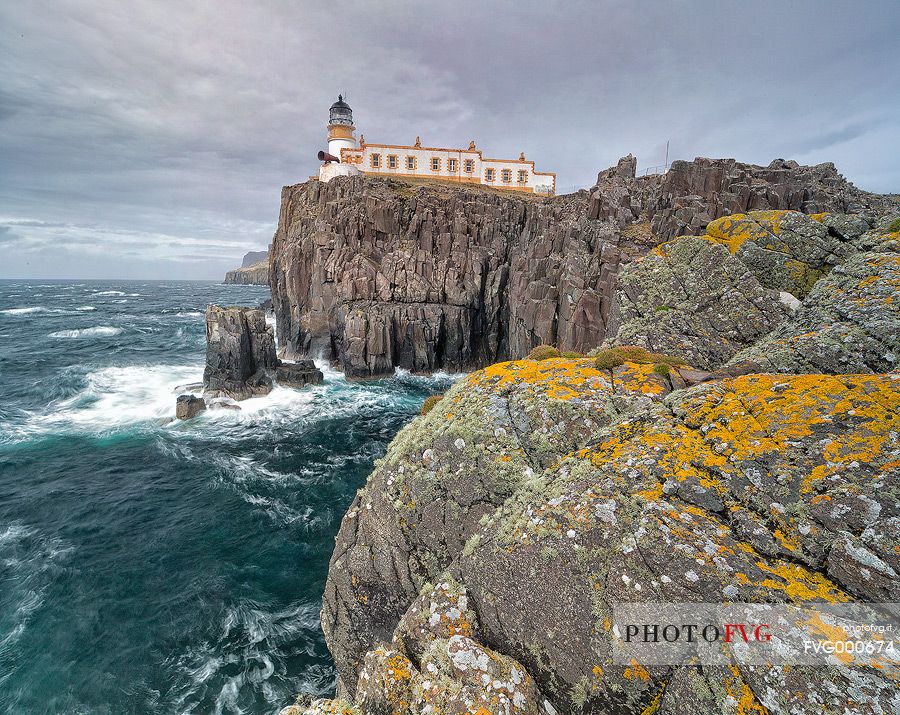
{"x":298,"y":374}
{"x":240,"y":353}
{"x":188,"y":406}
{"x":223,"y":403}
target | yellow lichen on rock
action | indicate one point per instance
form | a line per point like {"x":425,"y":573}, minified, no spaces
{"x":734,"y":231}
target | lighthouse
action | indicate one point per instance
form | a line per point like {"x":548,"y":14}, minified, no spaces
{"x":340,"y":127}
{"x":340,"y":136}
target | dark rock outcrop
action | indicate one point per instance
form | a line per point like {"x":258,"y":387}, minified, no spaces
{"x":375,"y":273}
{"x":240,"y":353}
{"x":298,"y":374}
{"x":188,"y":406}
{"x":692,"y":193}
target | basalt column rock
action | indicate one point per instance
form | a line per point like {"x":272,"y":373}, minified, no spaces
{"x":377,"y":273}
{"x":240,"y":353}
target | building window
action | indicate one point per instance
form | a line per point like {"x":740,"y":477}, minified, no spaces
{"x":523,"y":177}
{"x":506,"y":176}
{"x":435,"y":164}
{"x":469,"y":165}
{"x":392,"y":161}
{"x":411,"y":163}
{"x":489,"y":175}
{"x":451,"y":165}
{"x":376,"y":161}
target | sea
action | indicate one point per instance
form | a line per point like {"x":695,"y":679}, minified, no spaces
{"x":149,"y":565}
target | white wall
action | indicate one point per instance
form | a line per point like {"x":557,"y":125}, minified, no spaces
{"x":423,"y":166}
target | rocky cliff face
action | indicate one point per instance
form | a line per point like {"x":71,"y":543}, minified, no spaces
{"x":375,"y":274}
{"x":478,"y":569}
{"x":251,"y":258}
{"x":254,"y":274}
{"x":240,"y":353}
{"x":692,"y":193}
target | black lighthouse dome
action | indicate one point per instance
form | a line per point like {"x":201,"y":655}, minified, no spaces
{"x":340,"y":112}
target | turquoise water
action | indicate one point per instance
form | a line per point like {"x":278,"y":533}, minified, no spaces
{"x":154,"y":566}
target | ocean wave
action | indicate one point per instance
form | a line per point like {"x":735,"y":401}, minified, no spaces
{"x":188,"y":314}
{"x":249,"y":654}
{"x":32,"y":310}
{"x":21,"y":311}
{"x":108,"y":292}
{"x":114,"y":399}
{"x":30,"y":562}
{"x":86,"y":332}
{"x":85,"y":308}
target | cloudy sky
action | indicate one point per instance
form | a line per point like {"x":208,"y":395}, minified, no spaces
{"x":150,"y":139}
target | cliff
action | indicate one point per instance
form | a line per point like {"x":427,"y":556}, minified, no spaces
{"x":254,"y":270}
{"x":254,"y":257}
{"x":377,"y":273}
{"x":479,"y":568}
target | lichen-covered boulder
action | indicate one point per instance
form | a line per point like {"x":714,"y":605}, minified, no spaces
{"x":664,"y":506}
{"x":786,"y":250}
{"x":320,"y":706}
{"x":435,"y":665}
{"x":490,"y":434}
{"x":759,"y":488}
{"x":850,"y":322}
{"x":692,"y":298}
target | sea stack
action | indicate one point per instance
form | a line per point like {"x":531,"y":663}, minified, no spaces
{"x":240,"y":353}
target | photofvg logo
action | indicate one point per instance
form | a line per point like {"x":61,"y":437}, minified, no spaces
{"x":864,"y":635}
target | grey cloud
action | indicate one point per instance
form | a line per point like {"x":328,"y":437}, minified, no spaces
{"x":174,"y":122}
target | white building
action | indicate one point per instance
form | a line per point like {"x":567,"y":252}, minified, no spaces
{"x":448,"y":164}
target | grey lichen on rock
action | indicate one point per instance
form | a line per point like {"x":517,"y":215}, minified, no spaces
{"x":535,"y":495}
{"x":691,"y":297}
{"x":849,"y":323}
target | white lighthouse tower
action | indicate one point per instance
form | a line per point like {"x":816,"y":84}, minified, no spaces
{"x":340,"y":127}
{"x":340,"y":136}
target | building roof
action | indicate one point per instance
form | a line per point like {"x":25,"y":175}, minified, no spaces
{"x":340,"y":104}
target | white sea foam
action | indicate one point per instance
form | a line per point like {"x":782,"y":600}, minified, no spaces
{"x":86,"y":332}
{"x":188,"y":314}
{"x":115,"y":398}
{"x":22,"y":311}
{"x":85,"y":308}
{"x":109,"y":292}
